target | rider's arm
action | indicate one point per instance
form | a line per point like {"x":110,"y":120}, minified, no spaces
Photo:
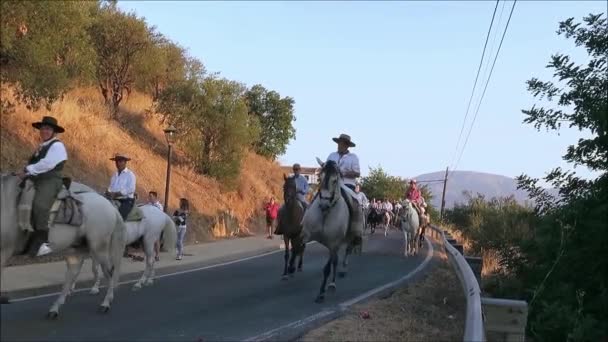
{"x":55,"y":155}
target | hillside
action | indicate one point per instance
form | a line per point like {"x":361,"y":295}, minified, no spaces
{"x":92,"y":138}
{"x":489,"y":185}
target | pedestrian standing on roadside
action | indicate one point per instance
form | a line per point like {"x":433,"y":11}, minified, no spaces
{"x":180,"y":216}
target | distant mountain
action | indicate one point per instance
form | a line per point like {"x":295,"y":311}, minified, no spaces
{"x":489,"y":185}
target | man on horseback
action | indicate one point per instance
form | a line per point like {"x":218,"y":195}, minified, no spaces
{"x":44,"y":169}
{"x":348,"y":163}
{"x":301,"y":185}
{"x":122,"y":185}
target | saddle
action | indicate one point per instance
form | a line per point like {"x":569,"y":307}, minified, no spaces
{"x":65,"y":210}
{"x":135,"y":214}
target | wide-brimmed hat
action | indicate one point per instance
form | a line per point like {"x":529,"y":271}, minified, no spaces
{"x":345,"y":138}
{"x":120,"y":156}
{"x":49,"y":121}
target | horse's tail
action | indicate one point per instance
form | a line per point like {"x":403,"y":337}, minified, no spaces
{"x":169,"y":234}
{"x":117,"y":242}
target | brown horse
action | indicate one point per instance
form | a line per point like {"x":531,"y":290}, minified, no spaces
{"x":290,"y":223}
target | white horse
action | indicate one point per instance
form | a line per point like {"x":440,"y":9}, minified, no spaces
{"x":103,"y":230}
{"x":149,"y":230}
{"x":326,"y":221}
{"x":409,"y":225}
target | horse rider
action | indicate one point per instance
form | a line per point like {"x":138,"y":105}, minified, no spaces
{"x":301,"y":185}
{"x":361,"y":196}
{"x":122,"y":185}
{"x":414,"y":195}
{"x":348,"y":163}
{"x":44,"y":169}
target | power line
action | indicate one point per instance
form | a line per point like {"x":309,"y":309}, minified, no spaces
{"x":486,"y":86}
{"x":476,"y":79}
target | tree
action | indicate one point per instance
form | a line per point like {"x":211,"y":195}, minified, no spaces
{"x":212,"y":115}
{"x":44,"y":47}
{"x":119,"y":40}
{"x":564,"y":267}
{"x":275,"y":116}
{"x":380,"y":185}
{"x":164,"y":64}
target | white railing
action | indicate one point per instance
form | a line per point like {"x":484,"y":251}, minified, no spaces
{"x":502,"y":317}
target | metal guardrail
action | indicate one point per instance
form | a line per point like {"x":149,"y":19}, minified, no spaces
{"x":473,"y":328}
{"x":505,"y":319}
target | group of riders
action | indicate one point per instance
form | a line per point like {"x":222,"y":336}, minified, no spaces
{"x":348,"y":163}
{"x":44,"y":169}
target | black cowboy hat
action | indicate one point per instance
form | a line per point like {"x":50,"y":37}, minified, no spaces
{"x":120,"y":156}
{"x":49,"y":121}
{"x":345,"y":138}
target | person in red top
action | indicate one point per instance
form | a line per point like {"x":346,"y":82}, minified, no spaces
{"x":272,"y":211}
{"x":414,"y":195}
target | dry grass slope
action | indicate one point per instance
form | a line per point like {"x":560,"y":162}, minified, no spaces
{"x":91,"y":138}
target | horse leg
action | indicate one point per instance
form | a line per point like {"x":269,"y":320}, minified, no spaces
{"x":74,"y":265}
{"x":292,"y":259}
{"x":334,"y":265}
{"x":344,"y":271}
{"x":286,"y":257}
{"x":405,"y":245}
{"x":96,"y":276}
{"x":147,"y":277}
{"x":103,"y":258}
{"x":301,"y":258}
{"x":326,"y":270}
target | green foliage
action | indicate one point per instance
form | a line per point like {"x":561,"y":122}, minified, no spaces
{"x":164,"y":64}
{"x":275,"y":116}
{"x":43,"y":47}
{"x":120,"y":41}
{"x":212,"y":117}
{"x":555,"y":255}
{"x":380,"y":185}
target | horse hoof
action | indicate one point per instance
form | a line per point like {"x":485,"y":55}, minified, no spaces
{"x":136,"y":287}
{"x":52,"y":315}
{"x":320,"y":299}
{"x":284,"y":277}
{"x":149,"y":282}
{"x":331,"y":288}
{"x":341,"y":274}
{"x":94,"y":291}
{"x":104,"y":309}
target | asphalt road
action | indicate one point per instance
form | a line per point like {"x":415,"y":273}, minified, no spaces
{"x":231,"y":302}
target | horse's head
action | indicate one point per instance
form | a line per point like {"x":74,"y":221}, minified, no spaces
{"x":330,"y":184}
{"x":289,"y":188}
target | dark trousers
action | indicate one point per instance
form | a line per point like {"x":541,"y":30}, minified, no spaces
{"x":126,"y":205}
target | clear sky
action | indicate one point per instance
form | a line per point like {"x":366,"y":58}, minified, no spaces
{"x":396,"y":76}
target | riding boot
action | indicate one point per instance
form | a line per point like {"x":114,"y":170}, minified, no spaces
{"x":39,"y":237}
{"x":353,"y":221}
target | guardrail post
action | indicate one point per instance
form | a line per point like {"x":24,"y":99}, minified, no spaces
{"x":459,"y":248}
{"x":476,"y":264}
{"x":505,"y":318}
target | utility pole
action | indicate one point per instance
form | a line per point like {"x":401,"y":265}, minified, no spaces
{"x":445,"y":183}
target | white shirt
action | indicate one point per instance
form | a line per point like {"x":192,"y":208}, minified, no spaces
{"x":363,"y":199}
{"x":157,"y":204}
{"x":387,"y":206}
{"x":123,"y":183}
{"x":347,"y":163}
{"x":55,"y":155}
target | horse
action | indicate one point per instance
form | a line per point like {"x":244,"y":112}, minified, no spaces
{"x":149,"y":230}
{"x":425,"y":221}
{"x":290,"y":221}
{"x":327,"y":221}
{"x":374,"y":218}
{"x":409,"y":226}
{"x":102,"y":232}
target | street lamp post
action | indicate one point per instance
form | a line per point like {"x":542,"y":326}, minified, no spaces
{"x":170,"y":136}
